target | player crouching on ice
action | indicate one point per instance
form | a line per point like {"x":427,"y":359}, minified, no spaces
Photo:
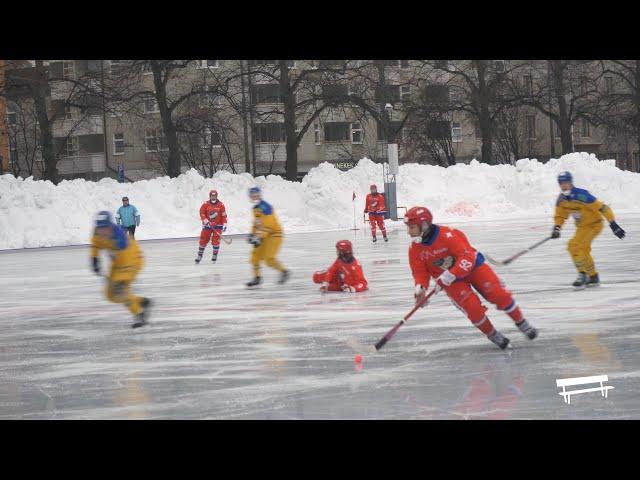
{"x":444,"y":253}
{"x":345,"y":275}
{"x":266,"y":238}
{"x":375,"y":207}
{"x":214,"y":222}
{"x":587,"y":211}
{"x":127,"y":261}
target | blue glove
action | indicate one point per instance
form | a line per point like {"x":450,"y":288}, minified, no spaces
{"x":617,"y":231}
{"x":555,"y":233}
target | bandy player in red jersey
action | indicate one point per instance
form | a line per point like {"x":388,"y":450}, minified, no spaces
{"x":444,"y":253}
{"x":375,"y":207}
{"x":214,"y":222}
{"x":345,"y":275}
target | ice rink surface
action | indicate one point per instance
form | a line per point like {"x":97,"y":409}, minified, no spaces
{"x":215,"y":350}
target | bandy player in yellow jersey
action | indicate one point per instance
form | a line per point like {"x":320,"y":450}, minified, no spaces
{"x":587,"y":211}
{"x":266,"y":238}
{"x":126,"y":262}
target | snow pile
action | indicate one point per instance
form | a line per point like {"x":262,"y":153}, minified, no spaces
{"x":37,"y":213}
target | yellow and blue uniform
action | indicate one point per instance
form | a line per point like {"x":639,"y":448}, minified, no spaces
{"x":126,"y":263}
{"x":587,"y":212}
{"x":267,"y":227}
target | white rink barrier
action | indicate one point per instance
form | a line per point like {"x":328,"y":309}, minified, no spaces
{"x":568,"y":382}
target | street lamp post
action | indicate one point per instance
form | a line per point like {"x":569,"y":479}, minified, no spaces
{"x":391,"y":170}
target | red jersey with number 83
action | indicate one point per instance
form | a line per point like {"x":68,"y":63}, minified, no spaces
{"x":443,"y":249}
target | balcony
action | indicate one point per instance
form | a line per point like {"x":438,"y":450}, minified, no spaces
{"x":89,"y":163}
{"x":89,"y":125}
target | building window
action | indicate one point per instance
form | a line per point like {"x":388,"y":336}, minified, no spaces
{"x":337,"y":131}
{"x":391,"y":63}
{"x":444,"y":64}
{"x":611,"y":132}
{"x":263,"y":62}
{"x":291,"y":64}
{"x":356,"y":133}
{"x":68,"y":69}
{"x":210,"y":98}
{"x":12,"y":117}
{"x":585,"y":130}
{"x":499,"y":65}
{"x":115,"y":66}
{"x":527,"y":84}
{"x":71,"y":147}
{"x":608,"y":84}
{"x":118,"y":143}
{"x":155,"y":140}
{"x":456,"y":132}
{"x":210,"y":138}
{"x":556,"y":129}
{"x":208,"y":64}
{"x":116,"y":109}
{"x":531,"y":127}
{"x":266,"y":94}
{"x":404,"y":63}
{"x":150,"y":105}
{"x":270,"y":133}
{"x":68,"y":112}
{"x":405,"y":93}
{"x":316,"y":133}
{"x":146,"y":68}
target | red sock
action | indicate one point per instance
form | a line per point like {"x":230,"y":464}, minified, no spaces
{"x":515,"y":313}
{"x":484,"y":325}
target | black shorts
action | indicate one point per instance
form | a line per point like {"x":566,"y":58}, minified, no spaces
{"x":131,"y":230}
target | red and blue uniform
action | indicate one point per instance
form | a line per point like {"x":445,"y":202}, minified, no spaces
{"x":214,"y":219}
{"x":447,"y":249}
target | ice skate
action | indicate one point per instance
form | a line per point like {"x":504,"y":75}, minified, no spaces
{"x":526,"y":328}
{"x":284,"y":276}
{"x":500,"y":340}
{"x":385,"y":238}
{"x":214,"y":258}
{"x":198,"y":258}
{"x":594,"y":281}
{"x":374,"y":239}
{"x":255,"y":282}
{"x":141,"y":318}
{"x":581,"y":281}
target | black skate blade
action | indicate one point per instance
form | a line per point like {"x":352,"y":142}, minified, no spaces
{"x":138,"y":324}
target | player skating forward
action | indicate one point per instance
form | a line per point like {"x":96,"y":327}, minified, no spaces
{"x":126,"y":262}
{"x":375,"y":207}
{"x":444,"y":253}
{"x":266,"y":238}
{"x":587,"y":211}
{"x":214,"y":222}
{"x":345,"y":275}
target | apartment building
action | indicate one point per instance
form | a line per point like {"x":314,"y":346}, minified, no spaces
{"x":240,"y":127}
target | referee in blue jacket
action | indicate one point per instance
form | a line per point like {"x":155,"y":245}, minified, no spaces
{"x":128,"y":217}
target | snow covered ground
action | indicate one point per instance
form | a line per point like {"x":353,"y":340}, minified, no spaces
{"x":216,"y":350}
{"x":36,"y":213}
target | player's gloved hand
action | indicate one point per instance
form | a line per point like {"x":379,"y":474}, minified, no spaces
{"x":224,"y":227}
{"x":445,"y":280}
{"x":255,"y":240}
{"x":95,"y":264}
{"x":348,"y":289}
{"x":419,"y":294}
{"x":555,"y":233}
{"x":205,"y":224}
{"x":324,"y":287}
{"x":617,"y":230}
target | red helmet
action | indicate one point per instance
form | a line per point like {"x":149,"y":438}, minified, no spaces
{"x":213,"y":192}
{"x":344,"y":246}
{"x":417,"y":216}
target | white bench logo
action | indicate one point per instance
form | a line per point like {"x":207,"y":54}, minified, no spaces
{"x":568,"y":382}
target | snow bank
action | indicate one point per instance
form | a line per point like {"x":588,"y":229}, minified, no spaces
{"x":37,"y":213}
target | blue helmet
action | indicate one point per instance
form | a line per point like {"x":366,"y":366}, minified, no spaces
{"x":254,"y":190}
{"x":565,"y":177}
{"x":103,"y":219}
